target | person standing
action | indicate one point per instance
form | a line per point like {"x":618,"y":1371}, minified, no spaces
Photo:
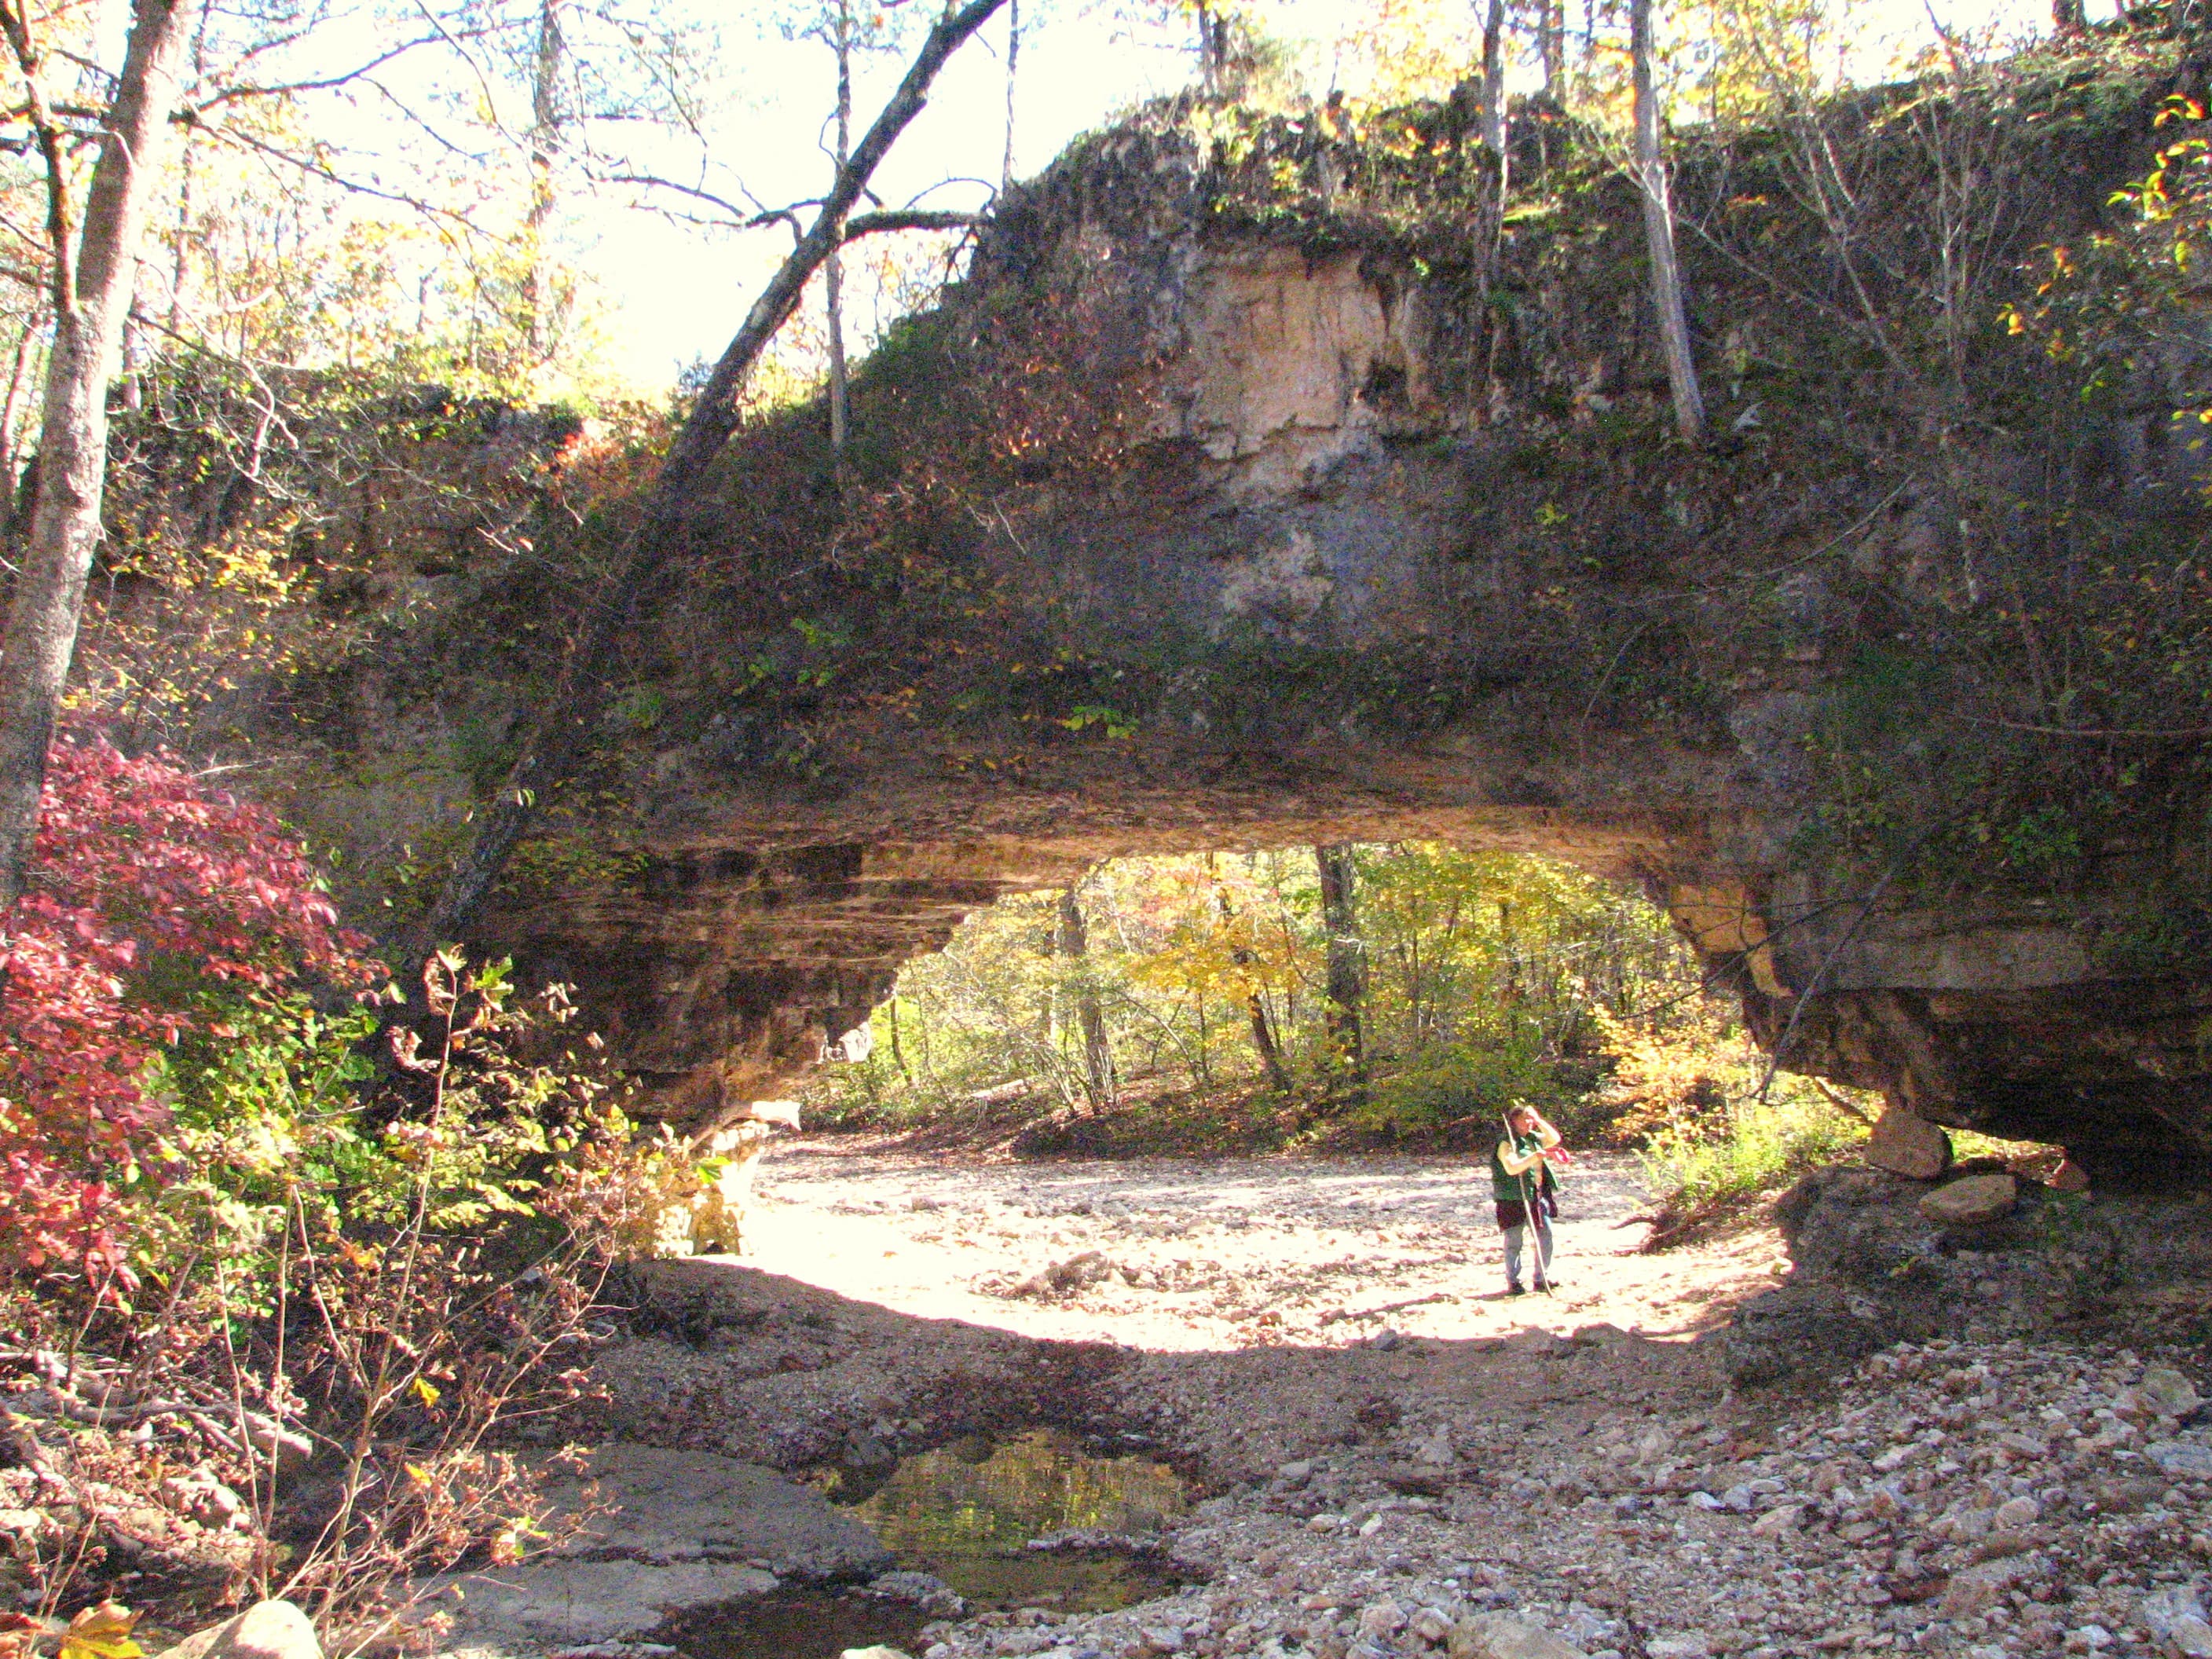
{"x":1521,"y":1180}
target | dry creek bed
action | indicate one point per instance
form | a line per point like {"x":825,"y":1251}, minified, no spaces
{"x":1573,"y":1461}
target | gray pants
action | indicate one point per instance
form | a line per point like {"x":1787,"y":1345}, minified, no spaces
{"x":1517,"y":1238}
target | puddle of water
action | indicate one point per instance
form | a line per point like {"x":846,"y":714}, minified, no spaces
{"x":966,"y":1512}
{"x":794,"y":1623}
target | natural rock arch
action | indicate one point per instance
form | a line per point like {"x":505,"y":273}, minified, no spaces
{"x":1344,"y":571}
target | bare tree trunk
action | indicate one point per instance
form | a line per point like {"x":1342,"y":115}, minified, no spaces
{"x":180,"y":268}
{"x":1512,"y":994}
{"x":559,"y":736}
{"x":1552,"y":47}
{"x":1659,"y":233}
{"x":1212,"y":48}
{"x":94,"y":274}
{"x":833,"y":267}
{"x":1013,"y":63}
{"x":544,"y":148}
{"x":1346,"y":981}
{"x":1263,"y":1039}
{"x":10,"y":436}
{"x":898,"y":1055}
{"x":1075,"y":946}
{"x":1493,"y":86}
{"x":1204,"y":1039}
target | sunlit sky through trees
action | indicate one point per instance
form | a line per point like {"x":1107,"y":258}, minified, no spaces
{"x":678,"y":292}
{"x":665,"y":295}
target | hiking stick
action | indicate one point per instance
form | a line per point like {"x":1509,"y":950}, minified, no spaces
{"x":1528,"y":1214}
{"x":1529,"y":1217}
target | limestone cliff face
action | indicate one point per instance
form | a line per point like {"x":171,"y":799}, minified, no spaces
{"x":1384,"y":566}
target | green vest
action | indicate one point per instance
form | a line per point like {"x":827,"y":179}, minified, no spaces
{"x":1514,"y":1190}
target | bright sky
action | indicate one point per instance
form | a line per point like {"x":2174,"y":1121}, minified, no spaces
{"x":677,"y":292}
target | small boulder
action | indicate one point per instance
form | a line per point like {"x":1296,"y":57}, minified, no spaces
{"x":1775,"y":1523}
{"x":2191,"y":1636}
{"x":2182,"y":1460}
{"x":1970,"y":1202}
{"x":1431,"y":1625}
{"x":1501,"y":1636}
{"x":1908,"y":1146}
{"x":1382,"y":1619}
{"x":2068,"y":1177}
{"x":2161,"y":1608}
{"x":267,"y":1629}
{"x":879,"y":1651}
{"x":2166,"y":1393}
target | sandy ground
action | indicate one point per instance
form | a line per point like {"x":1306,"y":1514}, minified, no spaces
{"x":1227,"y":1254}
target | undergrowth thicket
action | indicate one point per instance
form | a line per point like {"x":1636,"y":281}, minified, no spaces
{"x":281,"y":1307}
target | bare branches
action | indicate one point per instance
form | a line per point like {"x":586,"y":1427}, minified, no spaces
{"x":61,"y":235}
{"x":293,"y":89}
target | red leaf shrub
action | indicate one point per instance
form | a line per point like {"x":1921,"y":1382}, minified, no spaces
{"x":158,"y":908}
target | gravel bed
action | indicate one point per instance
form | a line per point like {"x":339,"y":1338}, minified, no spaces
{"x":1980,"y":1499}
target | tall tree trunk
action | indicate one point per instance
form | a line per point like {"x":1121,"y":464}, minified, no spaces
{"x":1552,"y":47}
{"x":1659,"y":234}
{"x":11,"y":481}
{"x":1075,"y":945}
{"x":1493,"y":85}
{"x":1263,"y":1039}
{"x":559,"y":736}
{"x":179,"y":265}
{"x":898,"y":1055}
{"x":1511,"y":942}
{"x":1013,"y":63}
{"x":833,"y":267}
{"x":1212,"y":48}
{"x":2069,"y":16}
{"x":1346,"y":981}
{"x":544,"y":151}
{"x":94,"y":274}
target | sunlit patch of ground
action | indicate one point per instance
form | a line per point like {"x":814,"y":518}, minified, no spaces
{"x":1231,"y":1252}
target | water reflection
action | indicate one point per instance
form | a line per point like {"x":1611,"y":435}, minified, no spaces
{"x":794,"y":1623}
{"x":967,"y":1513}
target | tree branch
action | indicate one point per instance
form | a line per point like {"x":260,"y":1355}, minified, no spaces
{"x":870,"y":224}
{"x":560,"y":737}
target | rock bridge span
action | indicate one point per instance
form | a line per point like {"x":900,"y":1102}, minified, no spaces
{"x":721,"y":969}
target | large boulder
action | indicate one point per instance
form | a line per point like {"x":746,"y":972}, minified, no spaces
{"x":657,"y":1533}
{"x":1878,"y":1259}
{"x":649,"y":1504}
{"x":1501,"y":1636}
{"x":1970,"y":1202}
{"x":1907,"y":1145}
{"x":267,"y":1629}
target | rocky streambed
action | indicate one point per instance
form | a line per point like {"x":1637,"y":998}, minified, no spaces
{"x":1950,"y":1497}
{"x":2016,"y":1476}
